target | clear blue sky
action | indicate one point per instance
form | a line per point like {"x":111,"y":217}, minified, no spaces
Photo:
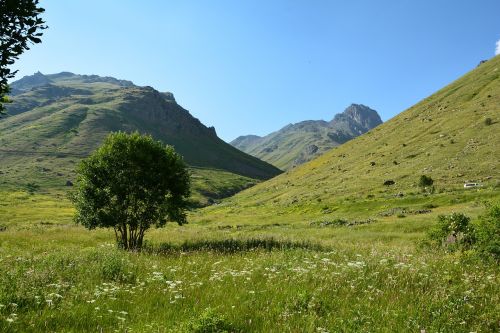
{"x":251,"y":67}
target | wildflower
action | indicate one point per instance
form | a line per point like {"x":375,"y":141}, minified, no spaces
{"x":356,"y":264}
{"x":10,"y":320}
{"x":49,"y":302}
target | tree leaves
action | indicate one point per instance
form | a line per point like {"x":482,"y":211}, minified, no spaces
{"x":20,"y":25}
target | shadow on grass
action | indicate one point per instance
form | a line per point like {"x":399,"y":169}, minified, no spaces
{"x":231,"y":246}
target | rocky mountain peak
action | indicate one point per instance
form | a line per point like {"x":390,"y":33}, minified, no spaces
{"x":29,"y":82}
{"x":359,"y":114}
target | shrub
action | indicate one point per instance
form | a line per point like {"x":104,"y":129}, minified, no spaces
{"x":488,"y":232}
{"x":209,"y":322}
{"x":425,"y":181}
{"x":488,"y":121}
{"x":32,"y":188}
{"x":453,"y":232}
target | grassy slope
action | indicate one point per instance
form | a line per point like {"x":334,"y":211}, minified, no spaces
{"x":53,"y":127}
{"x":443,"y":136}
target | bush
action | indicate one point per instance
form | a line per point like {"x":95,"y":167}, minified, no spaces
{"x":32,"y":188}
{"x":209,"y":322}
{"x":425,"y":181}
{"x":453,"y":232}
{"x":488,"y":232}
{"x":488,"y":121}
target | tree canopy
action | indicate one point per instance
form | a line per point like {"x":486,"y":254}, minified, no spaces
{"x":131,"y":183}
{"x":20,"y":25}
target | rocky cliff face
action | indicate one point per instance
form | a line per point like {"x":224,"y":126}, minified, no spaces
{"x":358,"y":117}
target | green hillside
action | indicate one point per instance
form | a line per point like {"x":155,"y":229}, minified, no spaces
{"x":298,"y":143}
{"x":56,"y":120}
{"x":452,"y":136}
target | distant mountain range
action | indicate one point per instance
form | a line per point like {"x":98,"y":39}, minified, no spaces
{"x":57,"y":119}
{"x":298,"y":143}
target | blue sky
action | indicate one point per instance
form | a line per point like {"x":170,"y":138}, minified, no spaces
{"x":252,"y":67}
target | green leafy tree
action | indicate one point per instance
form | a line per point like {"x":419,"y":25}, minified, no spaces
{"x":20,"y":25}
{"x":131,"y":183}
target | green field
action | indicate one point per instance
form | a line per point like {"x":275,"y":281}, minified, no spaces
{"x":268,"y":275}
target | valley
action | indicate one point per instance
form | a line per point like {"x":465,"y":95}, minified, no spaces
{"x":336,"y":244}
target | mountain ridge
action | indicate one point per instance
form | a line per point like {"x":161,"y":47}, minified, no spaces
{"x":65,"y":114}
{"x":300,"y":142}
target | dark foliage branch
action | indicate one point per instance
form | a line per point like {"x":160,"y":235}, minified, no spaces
{"x":20,"y":26}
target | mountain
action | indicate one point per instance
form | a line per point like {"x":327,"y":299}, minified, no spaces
{"x":298,"y":143}
{"x":452,"y":136}
{"x":245,"y":142}
{"x":57,"y":119}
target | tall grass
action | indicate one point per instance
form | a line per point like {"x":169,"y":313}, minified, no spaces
{"x":231,"y":245}
{"x":269,"y":288}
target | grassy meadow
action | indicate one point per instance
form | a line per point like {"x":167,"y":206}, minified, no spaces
{"x":283,"y":274}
